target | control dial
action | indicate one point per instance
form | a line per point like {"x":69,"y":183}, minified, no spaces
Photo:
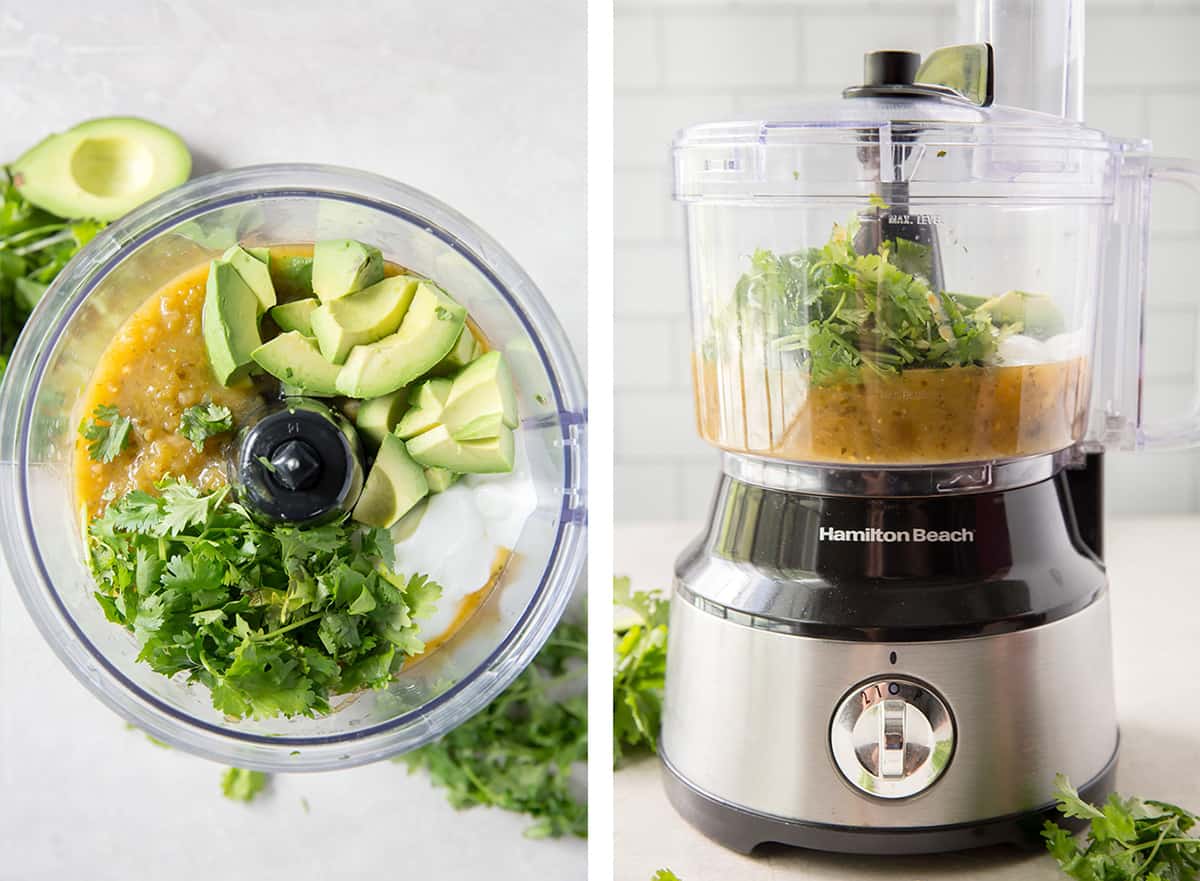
{"x":892,"y":738}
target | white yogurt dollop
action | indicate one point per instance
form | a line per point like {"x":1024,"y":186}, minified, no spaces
{"x":460,"y":533}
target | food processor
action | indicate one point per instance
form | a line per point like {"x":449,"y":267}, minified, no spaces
{"x":316,"y":468}
{"x":917,"y":324}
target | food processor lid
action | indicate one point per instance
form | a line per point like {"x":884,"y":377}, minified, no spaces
{"x":938,"y":121}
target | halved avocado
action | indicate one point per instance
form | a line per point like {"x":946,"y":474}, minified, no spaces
{"x":295,"y":360}
{"x":102,"y":168}
{"x":362,"y":317}
{"x":377,"y":417}
{"x":427,"y":403}
{"x":253,"y":265}
{"x":394,"y":485}
{"x":296,"y":315}
{"x":343,"y":266}
{"x":428,"y":332}
{"x":481,"y":400}
{"x":229,"y":322}
{"x":437,"y":449}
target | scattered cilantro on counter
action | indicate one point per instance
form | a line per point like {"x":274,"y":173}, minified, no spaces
{"x":238,"y":784}
{"x":34,"y":247}
{"x":665,"y":875}
{"x":841,"y":312}
{"x":639,"y":669}
{"x":1128,"y":839}
{"x":108,"y":432}
{"x":201,"y":421}
{"x":518,"y":752}
{"x":273,"y":620}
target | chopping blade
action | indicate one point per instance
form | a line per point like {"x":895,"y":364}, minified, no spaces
{"x":911,"y":238}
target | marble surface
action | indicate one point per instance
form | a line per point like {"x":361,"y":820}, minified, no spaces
{"x":1152,"y":565}
{"x":484,"y":107}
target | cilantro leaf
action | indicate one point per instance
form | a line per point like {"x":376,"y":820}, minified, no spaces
{"x":639,"y":669}
{"x":665,"y":875}
{"x":201,"y":421}
{"x":1128,"y":839}
{"x":108,"y":432}
{"x":517,"y":754}
{"x":239,"y":784}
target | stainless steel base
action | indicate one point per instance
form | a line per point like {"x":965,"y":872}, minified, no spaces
{"x":748,"y":714}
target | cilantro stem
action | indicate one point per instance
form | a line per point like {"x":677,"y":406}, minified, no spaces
{"x":8,"y":241}
{"x":1194,"y":842}
{"x":291,"y":626}
{"x":1150,"y":858}
{"x":487,"y":793}
{"x":64,"y":236}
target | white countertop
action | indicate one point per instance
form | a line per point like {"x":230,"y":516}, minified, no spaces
{"x":1153,"y":566}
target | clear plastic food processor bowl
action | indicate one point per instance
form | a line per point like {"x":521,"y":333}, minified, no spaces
{"x":116,"y":273}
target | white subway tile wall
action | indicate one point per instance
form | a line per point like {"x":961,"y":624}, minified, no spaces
{"x":684,"y":61}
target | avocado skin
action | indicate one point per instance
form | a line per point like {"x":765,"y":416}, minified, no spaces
{"x":229,"y":323}
{"x":344,"y":266}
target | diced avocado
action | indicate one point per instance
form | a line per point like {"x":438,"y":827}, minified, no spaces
{"x":295,"y":360}
{"x":427,"y":403}
{"x":343,"y":266}
{"x":481,"y":400}
{"x":103,"y":168}
{"x":1036,"y":313}
{"x":362,"y":318}
{"x":254,"y":271}
{"x":378,"y":416}
{"x":229,"y":323}
{"x":465,"y":349}
{"x":292,"y":276}
{"x":426,"y":334}
{"x":440,"y":479}
{"x":296,"y":315}
{"x":437,"y":449}
{"x":394,"y":485}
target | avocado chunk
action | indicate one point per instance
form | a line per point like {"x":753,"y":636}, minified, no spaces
{"x":427,"y":403}
{"x":253,"y":266}
{"x":466,"y":348}
{"x":229,"y":323}
{"x":296,"y":315}
{"x":378,"y":416}
{"x":436,"y":448}
{"x":440,"y":479}
{"x":394,"y":485}
{"x":1035,"y":313}
{"x":296,"y":361}
{"x":361,"y":318}
{"x":343,"y":266}
{"x":102,"y":168}
{"x":292,"y":277}
{"x":426,"y":334}
{"x":481,"y":400}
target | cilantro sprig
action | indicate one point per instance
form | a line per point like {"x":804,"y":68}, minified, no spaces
{"x":518,"y":752}
{"x":639,"y":669}
{"x":1128,"y":839}
{"x":34,"y":247}
{"x":201,"y":421}
{"x":840,"y":313}
{"x":108,"y":433}
{"x":272,"y":620}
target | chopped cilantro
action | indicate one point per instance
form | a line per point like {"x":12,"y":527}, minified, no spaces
{"x":518,"y":752}
{"x":239,"y":784}
{"x":108,"y":432}
{"x":639,"y":669}
{"x":272,"y":620}
{"x":202,"y":421}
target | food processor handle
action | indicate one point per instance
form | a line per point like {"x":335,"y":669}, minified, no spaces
{"x":1181,"y":431}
